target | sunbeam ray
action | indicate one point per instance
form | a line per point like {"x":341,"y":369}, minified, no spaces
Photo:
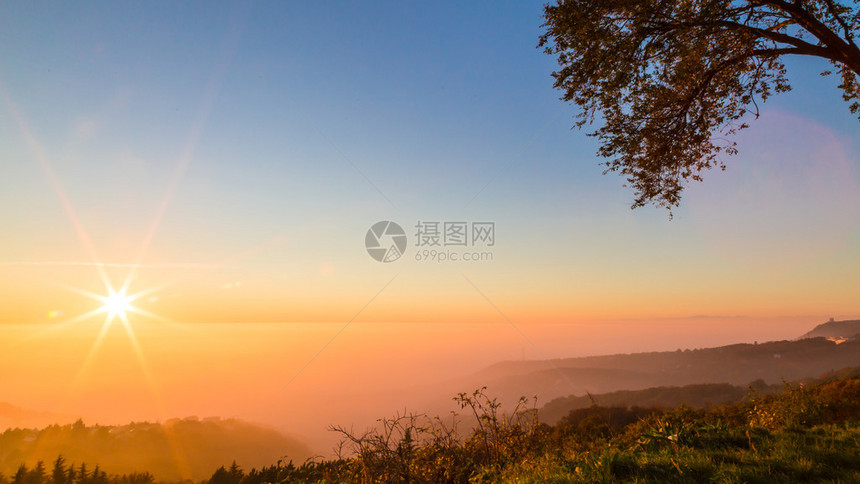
{"x":44,"y":163}
{"x":78,"y":379}
{"x":209,"y":95}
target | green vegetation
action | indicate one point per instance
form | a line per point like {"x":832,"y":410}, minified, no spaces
{"x":807,"y":432}
{"x":703,"y":395}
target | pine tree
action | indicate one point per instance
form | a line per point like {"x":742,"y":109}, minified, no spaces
{"x":83,"y":477}
{"x":20,"y":475}
{"x":58,"y":475}
{"x":37,"y":474}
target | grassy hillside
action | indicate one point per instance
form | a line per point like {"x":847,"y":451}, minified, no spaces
{"x":695,"y":396}
{"x":806,"y":433}
{"x":700,"y":396}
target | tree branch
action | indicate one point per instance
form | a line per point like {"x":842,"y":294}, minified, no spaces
{"x":848,"y":54}
{"x":849,"y":35}
{"x":711,"y":73}
{"x":809,"y":49}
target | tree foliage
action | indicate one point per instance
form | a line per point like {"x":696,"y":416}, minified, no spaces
{"x":68,"y":474}
{"x":673,"y":80}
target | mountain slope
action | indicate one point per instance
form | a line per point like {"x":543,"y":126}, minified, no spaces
{"x":736,"y":364}
{"x":835,"y":329}
{"x":695,"y":396}
{"x":12,"y":416}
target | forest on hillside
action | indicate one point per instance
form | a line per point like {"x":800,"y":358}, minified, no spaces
{"x":171,"y":450}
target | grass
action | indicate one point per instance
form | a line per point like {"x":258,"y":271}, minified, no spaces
{"x":821,"y":453}
{"x":803,"y":434}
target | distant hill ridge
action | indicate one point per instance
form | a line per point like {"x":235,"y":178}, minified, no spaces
{"x":822,"y":350}
{"x":835,"y":329}
{"x":695,"y":396}
{"x":15,"y":416}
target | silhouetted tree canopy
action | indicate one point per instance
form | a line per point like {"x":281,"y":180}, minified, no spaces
{"x":63,"y":474}
{"x":673,"y":80}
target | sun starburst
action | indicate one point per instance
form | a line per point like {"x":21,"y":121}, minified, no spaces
{"x":117,"y":303}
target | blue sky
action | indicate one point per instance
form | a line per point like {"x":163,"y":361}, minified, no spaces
{"x":312,"y":120}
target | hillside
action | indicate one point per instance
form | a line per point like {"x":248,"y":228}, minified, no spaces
{"x":173,"y":450}
{"x":835,"y":329}
{"x":805,"y":433}
{"x":13,"y":416}
{"x":701,"y":396}
{"x":801,"y":434}
{"x":695,"y":396}
{"x":736,"y":365}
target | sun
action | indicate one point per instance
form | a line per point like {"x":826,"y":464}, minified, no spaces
{"x":116,"y":303}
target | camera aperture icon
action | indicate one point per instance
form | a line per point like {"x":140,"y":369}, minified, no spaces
{"x":385,"y":241}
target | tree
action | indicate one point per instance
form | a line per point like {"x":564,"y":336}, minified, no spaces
{"x":58,"y":474}
{"x":20,"y":475}
{"x":83,"y":476}
{"x":37,"y":474}
{"x":71,"y":475}
{"x":223,"y":476}
{"x":673,"y":80}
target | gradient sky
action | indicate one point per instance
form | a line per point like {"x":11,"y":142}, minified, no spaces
{"x":238,"y":154}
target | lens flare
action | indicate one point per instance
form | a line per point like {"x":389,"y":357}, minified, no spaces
{"x":116,"y":303}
